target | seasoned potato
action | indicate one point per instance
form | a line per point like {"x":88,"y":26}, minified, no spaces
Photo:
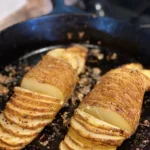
{"x":44,"y":90}
{"x":55,"y":79}
{"x":110,"y":113}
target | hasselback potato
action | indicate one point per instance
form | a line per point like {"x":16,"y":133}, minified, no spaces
{"x":110,"y":113}
{"x":43,"y":91}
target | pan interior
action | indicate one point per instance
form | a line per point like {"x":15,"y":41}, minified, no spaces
{"x":100,"y":60}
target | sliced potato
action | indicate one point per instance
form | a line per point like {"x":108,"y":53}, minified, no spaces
{"x":109,"y":116}
{"x":28,"y":113}
{"x":5,"y":146}
{"x":26,"y":106}
{"x":96,"y":122}
{"x":72,"y":60}
{"x":74,"y":146}
{"x":110,"y":113}
{"x":36,"y":96}
{"x":93,"y":129}
{"x":132,"y":76}
{"x":14,"y":140}
{"x":53,"y":74}
{"x":26,"y":123}
{"x":17,"y":130}
{"x":146,"y":72}
{"x":83,"y":142}
{"x":63,"y":146}
{"x":44,"y":89}
{"x":112,"y":117}
{"x":38,"y":103}
{"x":71,"y":144}
{"x":57,"y":53}
{"x":105,"y":139}
{"x":80,"y":53}
{"x":87,"y":143}
{"x":35,"y":86}
{"x":62,"y":54}
{"x":128,"y":112}
{"x":75,"y":56}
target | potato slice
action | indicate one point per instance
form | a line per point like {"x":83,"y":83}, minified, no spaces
{"x":127,"y":113}
{"x":95,"y":129}
{"x":63,"y":146}
{"x":20,"y":104}
{"x":28,"y":113}
{"x":94,"y":121}
{"x":105,"y":139}
{"x":14,"y":140}
{"x":87,"y":143}
{"x":35,"y":86}
{"x":44,"y":104}
{"x":26,"y":123}
{"x":62,"y":54}
{"x":146,"y":72}
{"x":112,"y":117}
{"x":44,"y":89}
{"x":57,"y":53}
{"x":72,"y":60}
{"x":74,"y":146}
{"x":34,"y":96}
{"x":83,"y":142}
{"x":80,"y":53}
{"x":51,"y":76}
{"x":75,"y":56}
{"x":17,"y":130}
{"x":110,"y":113}
{"x":71,"y":144}
{"x":5,"y":146}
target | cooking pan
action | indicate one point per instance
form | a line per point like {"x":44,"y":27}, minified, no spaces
{"x":24,"y":43}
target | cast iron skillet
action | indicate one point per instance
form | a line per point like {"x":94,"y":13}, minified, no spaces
{"x":51,"y":30}
{"x":130,"y":42}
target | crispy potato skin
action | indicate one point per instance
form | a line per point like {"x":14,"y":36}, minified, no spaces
{"x":126,"y":87}
{"x":121,"y":91}
{"x":30,"y":109}
{"x":55,"y":72}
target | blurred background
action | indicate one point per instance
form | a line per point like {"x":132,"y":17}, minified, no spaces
{"x":133,"y":11}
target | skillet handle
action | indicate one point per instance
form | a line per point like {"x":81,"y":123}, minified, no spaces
{"x":60,"y":7}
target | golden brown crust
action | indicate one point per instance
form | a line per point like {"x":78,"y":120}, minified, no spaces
{"x":39,"y":102}
{"x":120,"y":91}
{"x":45,"y":72}
{"x":34,"y":95}
{"x":26,"y":123}
{"x":28,"y":114}
{"x":102,"y":138}
{"x":95,"y":129}
{"x":22,"y":105}
{"x":122,"y":95}
{"x":44,"y":90}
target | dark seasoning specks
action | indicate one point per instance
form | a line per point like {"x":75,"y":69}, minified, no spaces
{"x":99,"y":61}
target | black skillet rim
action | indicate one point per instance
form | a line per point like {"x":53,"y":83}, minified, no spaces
{"x":52,"y":30}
